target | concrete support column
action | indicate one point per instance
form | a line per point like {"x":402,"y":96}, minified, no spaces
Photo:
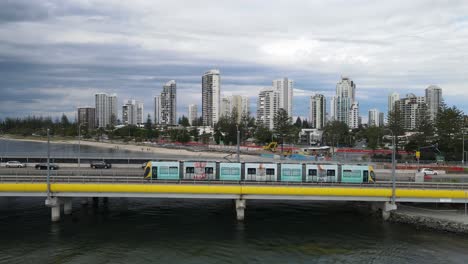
{"x":67,"y":206}
{"x":240,"y":208}
{"x":54,"y":204}
{"x":386,"y":209}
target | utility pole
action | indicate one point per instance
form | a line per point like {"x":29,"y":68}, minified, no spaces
{"x":48,"y":163}
{"x":393,"y":168}
{"x":238,"y":144}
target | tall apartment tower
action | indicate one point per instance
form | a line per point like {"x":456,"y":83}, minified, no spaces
{"x":235,"y":102}
{"x":211,"y":98}
{"x":169,"y":104}
{"x":87,"y":117}
{"x":344,"y":107}
{"x":132,"y":112}
{"x":412,"y":109}
{"x":285,"y":89}
{"x":106,"y":109}
{"x":192,"y":113}
{"x":317,"y":111}
{"x":374,"y":117}
{"x":157,"y":110}
{"x":267,"y":106}
{"x":393,"y":98}
{"x":113,"y":109}
{"x":381,"y":119}
{"x":433,"y":100}
{"x":102,"y":110}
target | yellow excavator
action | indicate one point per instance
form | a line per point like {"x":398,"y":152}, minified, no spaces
{"x":271,"y":147}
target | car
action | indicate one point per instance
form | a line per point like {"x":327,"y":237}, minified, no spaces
{"x":100,"y":165}
{"x":43,"y":166}
{"x":428,"y":171}
{"x":15,"y":164}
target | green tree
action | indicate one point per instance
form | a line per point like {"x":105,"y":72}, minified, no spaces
{"x":195,"y":134}
{"x":373,"y":136}
{"x":298,"y":122}
{"x":396,"y":124}
{"x":263,"y":134}
{"x":449,"y":124}
{"x":184,"y":121}
{"x":149,"y":123}
{"x":336,"y":133}
{"x":283,"y":126}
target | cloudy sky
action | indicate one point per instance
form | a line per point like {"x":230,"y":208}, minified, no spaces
{"x":54,"y":54}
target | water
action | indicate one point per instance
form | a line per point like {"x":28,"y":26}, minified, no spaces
{"x":197,"y":231}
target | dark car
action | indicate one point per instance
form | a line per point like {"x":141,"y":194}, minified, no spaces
{"x":100,"y":165}
{"x":43,"y":166}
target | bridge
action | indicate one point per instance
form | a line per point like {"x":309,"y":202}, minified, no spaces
{"x":62,"y":188}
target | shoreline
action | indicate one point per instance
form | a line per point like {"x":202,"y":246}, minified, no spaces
{"x":143,"y":148}
{"x":452,"y":221}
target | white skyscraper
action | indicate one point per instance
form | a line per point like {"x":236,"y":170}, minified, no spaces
{"x":392,"y":99}
{"x":245,"y":105}
{"x":102,"y":110}
{"x":354,"y":116}
{"x":344,"y":107}
{"x":237,"y":103}
{"x":132,"y":112}
{"x":267,"y":106}
{"x":374,"y":117}
{"x":168,"y":104}
{"x":226,"y":108}
{"x":433,"y":100}
{"x":106,"y":109}
{"x":192,"y":113}
{"x":211,"y":98}
{"x":285,"y":88}
{"x":113,"y":109}
{"x":317,"y":111}
{"x":157,"y":110}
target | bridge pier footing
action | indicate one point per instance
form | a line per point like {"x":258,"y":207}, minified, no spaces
{"x":384,"y":208}
{"x":54,"y":204}
{"x":240,"y":209}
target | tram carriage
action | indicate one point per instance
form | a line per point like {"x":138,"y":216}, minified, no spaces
{"x":263,"y":172}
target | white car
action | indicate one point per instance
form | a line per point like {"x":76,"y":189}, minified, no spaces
{"x":428,"y":171}
{"x":15,"y":164}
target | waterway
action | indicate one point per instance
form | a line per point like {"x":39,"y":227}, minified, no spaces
{"x":197,"y":231}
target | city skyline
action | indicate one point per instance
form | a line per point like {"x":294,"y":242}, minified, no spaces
{"x":55,"y":54}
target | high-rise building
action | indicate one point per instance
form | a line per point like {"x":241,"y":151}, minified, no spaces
{"x":374,"y":117}
{"x":106,"y":109}
{"x":344,"y":107}
{"x":102,"y":110}
{"x":317,"y":111}
{"x":433,"y":100}
{"x":157,"y":110}
{"x":132,"y":112}
{"x":381,"y":119}
{"x":192,"y":113}
{"x":393,"y":98}
{"x":237,"y":103}
{"x":285,"y":88}
{"x":113,"y":109}
{"x":267,"y":107}
{"x":354,"y":116}
{"x":412,"y":109}
{"x":211,"y":99}
{"x":87,"y":117}
{"x":169,"y":104}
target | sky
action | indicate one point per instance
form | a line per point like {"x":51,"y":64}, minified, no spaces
{"x":55,"y":55}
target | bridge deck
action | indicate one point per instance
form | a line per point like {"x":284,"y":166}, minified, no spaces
{"x":405,"y":192}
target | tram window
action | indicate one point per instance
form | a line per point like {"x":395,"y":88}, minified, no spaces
{"x":270,"y":171}
{"x":164,"y":170}
{"x":209,"y":170}
{"x":287,"y":172}
{"x":173,"y":170}
{"x":296,"y":172}
{"x":252,"y":171}
{"x":312,"y":172}
{"x":366,"y":176}
{"x":190,"y":170}
{"x":330,"y":172}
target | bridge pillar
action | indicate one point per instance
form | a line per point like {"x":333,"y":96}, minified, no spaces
{"x":67,"y":206}
{"x":386,"y":209}
{"x":240,"y":208}
{"x":54,"y":204}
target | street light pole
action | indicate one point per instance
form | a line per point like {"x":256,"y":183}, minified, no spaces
{"x":393,"y":167}
{"x":238,"y":144}
{"x":48,"y":163}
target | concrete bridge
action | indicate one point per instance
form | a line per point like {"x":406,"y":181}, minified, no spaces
{"x":63,"y":188}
